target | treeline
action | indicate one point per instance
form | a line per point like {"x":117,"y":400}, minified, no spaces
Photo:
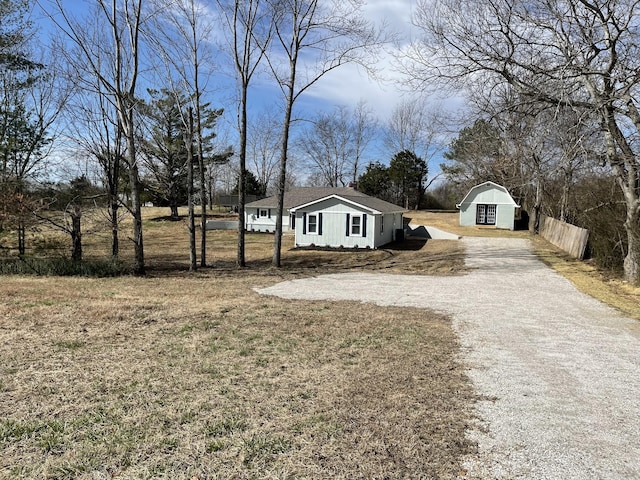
{"x":559,"y":80}
{"x":126,"y":86}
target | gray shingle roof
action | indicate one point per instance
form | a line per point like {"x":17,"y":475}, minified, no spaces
{"x":303,"y":195}
{"x":374,"y":203}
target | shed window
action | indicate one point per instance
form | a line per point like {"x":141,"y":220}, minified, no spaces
{"x":486,"y":214}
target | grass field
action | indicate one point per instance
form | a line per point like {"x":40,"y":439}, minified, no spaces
{"x":194,"y":375}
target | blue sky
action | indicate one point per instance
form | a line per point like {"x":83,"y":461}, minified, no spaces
{"x":345,"y":86}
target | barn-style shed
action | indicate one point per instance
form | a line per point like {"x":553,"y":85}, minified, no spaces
{"x":489,"y":205}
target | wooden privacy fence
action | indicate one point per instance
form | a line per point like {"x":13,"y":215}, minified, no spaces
{"x":569,"y":238}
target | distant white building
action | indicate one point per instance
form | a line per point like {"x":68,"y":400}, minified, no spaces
{"x":489,"y":205}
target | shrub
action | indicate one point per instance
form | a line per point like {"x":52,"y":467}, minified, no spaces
{"x":63,"y":267}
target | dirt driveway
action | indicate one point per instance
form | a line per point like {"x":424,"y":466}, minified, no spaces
{"x":559,"y":372}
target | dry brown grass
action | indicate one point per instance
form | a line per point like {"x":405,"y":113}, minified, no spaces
{"x":601,"y":285}
{"x":450,"y":222}
{"x":182,"y":375}
{"x":167,"y":249}
{"x":199,"y":376}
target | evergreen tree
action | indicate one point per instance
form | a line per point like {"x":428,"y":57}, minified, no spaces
{"x":375,"y":181}
{"x":22,"y":135}
{"x":475,"y":156}
{"x":252,"y":186}
{"x":164,"y":149}
{"x":408,"y":173}
{"x":23,"y":132}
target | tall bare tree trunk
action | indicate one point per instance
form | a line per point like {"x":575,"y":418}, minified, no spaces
{"x":136,"y":206}
{"x":113,"y":220}
{"x":242,"y":194}
{"x":76,"y":234}
{"x":203,"y":192}
{"x":626,"y":167}
{"x":282,"y":177}
{"x":192,"y":220}
{"x":627,"y":181}
{"x":566,"y":190}
{"x":245,"y":20}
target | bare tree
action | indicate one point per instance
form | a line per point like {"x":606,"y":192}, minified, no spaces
{"x":365,"y":126}
{"x":574,"y":53}
{"x":262,"y":149}
{"x":112,"y":55}
{"x":96,"y":130}
{"x":334,"y":143}
{"x":328,"y":147}
{"x":250,"y":26}
{"x":188,"y":141}
{"x":181,"y":37}
{"x":415,"y":126}
{"x":313,"y":37}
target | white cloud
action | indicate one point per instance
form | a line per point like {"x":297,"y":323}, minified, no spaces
{"x":350,"y":84}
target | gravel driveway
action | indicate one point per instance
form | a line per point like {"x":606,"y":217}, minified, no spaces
{"x":560,"y":371}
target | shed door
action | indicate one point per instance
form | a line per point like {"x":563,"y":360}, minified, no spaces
{"x":485,"y":214}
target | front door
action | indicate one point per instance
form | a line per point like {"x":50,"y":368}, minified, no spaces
{"x":485,"y":214}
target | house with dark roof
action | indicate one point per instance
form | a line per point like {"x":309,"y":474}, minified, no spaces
{"x":330,"y":217}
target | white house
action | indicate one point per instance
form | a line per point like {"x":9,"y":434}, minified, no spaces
{"x":331,"y":217}
{"x":347,"y":221}
{"x":260,"y":216}
{"x":489,"y":204}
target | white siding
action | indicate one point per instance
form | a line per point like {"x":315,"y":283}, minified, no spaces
{"x":488,"y":194}
{"x":467,"y":214}
{"x":334,"y":226}
{"x":392,"y":222}
{"x":506,"y":217}
{"x":255,"y":223}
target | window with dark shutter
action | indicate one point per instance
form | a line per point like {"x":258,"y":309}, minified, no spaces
{"x":312,"y":223}
{"x":356,"y":225}
{"x":304,"y":223}
{"x":320,"y":224}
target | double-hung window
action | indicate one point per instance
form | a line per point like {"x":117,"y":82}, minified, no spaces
{"x":312,"y":223}
{"x":356,"y":225}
